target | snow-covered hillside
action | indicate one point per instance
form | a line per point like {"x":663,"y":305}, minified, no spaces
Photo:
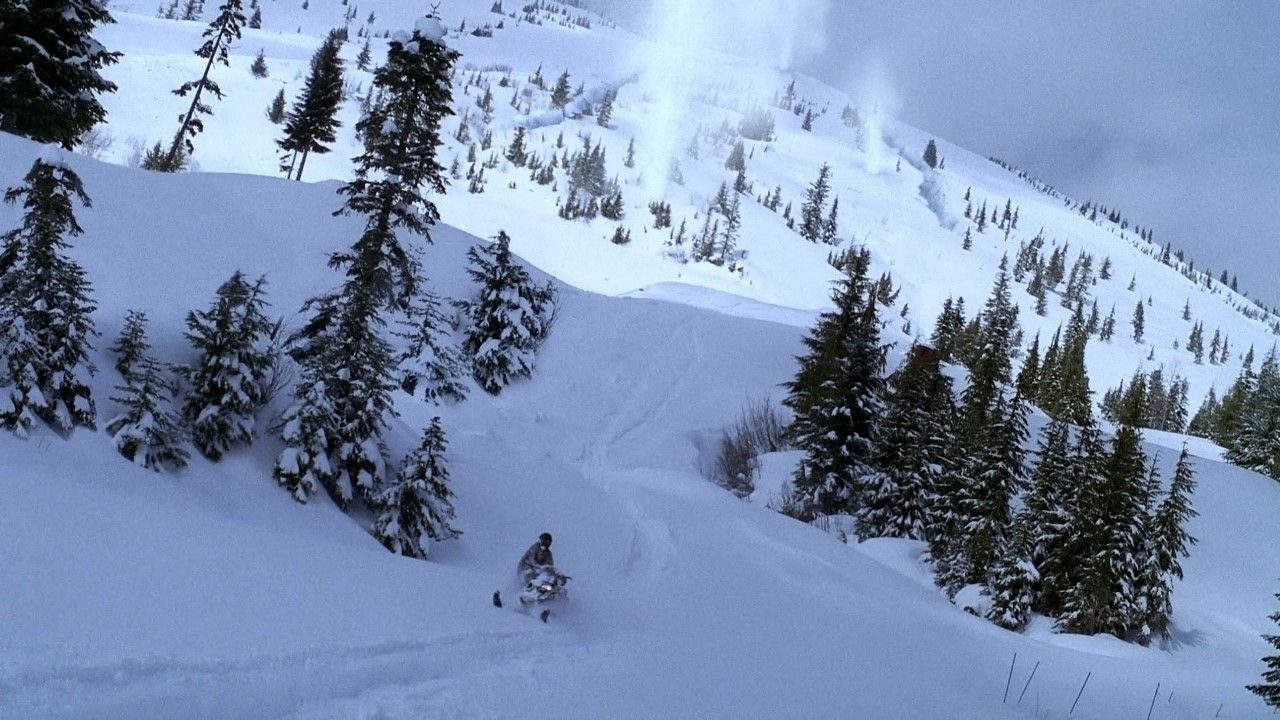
{"x":211,"y":593}
{"x":912,"y":218}
{"x":132,"y":594}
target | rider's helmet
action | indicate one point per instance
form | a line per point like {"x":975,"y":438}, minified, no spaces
{"x":545,"y":539}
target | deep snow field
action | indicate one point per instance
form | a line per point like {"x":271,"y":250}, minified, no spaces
{"x":211,"y":593}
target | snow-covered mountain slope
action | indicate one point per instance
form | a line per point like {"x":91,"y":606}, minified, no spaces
{"x":211,"y":593}
{"x":912,"y":218}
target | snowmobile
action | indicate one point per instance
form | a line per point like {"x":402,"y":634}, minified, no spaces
{"x":544,"y":587}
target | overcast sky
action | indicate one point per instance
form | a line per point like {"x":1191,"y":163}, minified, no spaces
{"x":1167,"y":109}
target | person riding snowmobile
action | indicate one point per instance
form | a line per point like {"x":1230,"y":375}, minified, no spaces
{"x":537,"y":559}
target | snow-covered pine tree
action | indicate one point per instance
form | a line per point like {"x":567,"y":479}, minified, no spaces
{"x":218,"y":37}
{"x":605,"y":112}
{"x":1269,"y":688}
{"x":417,"y":509}
{"x":991,"y":475}
{"x":307,"y":462}
{"x":146,"y":432}
{"x":228,"y":383}
{"x":1203,"y":421}
{"x":812,"y":221}
{"x":913,"y":439}
{"x":1257,"y":442}
{"x":837,"y":396}
{"x":1013,"y":581}
{"x":45,"y":307}
{"x":312,"y":123}
{"x":1048,"y":511}
{"x":831,"y":227}
{"x":431,"y":363}
{"x":399,"y":164}
{"x":1235,"y":403}
{"x":1107,"y":535}
{"x":562,"y":92}
{"x":516,"y":152}
{"x":1168,"y":542}
{"x":333,"y":434}
{"x":947,"y":329}
{"x":1028,"y":380}
{"x":49,"y":69}
{"x":508,"y":319}
{"x":132,"y":344}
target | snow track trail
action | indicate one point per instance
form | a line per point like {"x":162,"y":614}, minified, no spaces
{"x":252,"y":687}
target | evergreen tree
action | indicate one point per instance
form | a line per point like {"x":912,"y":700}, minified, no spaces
{"x":1139,"y":323}
{"x":947,"y":329}
{"x":146,"y":431}
{"x":218,"y":37}
{"x":836,"y":397}
{"x":1169,"y":541}
{"x":913,"y":439}
{"x":1108,"y":534}
{"x":1108,"y":326}
{"x":1269,"y":688}
{"x":508,"y":320}
{"x":50,"y":67}
{"x":1028,"y":380}
{"x":812,"y":222}
{"x":45,"y":308}
{"x":605,"y":112}
{"x":1048,"y":510}
{"x":1257,"y":442}
{"x":229,"y":381}
{"x":398,"y":166}
{"x":132,"y":344}
{"x":993,"y":354}
{"x":737,"y":160}
{"x":563,"y":92}
{"x":312,"y":123}
{"x":1014,"y":579}
{"x":362,"y":60}
{"x":333,"y":432}
{"x":275,"y":111}
{"x":516,"y":152}
{"x":1195,"y":343}
{"x":1205,"y":418}
{"x":1235,"y":403}
{"x":831,"y":228}
{"x":990,"y":475}
{"x":417,"y":508}
{"x":308,"y":460}
{"x":931,"y":155}
{"x":431,"y":363}
{"x":259,"y":66}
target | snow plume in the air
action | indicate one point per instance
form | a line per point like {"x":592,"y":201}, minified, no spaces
{"x":876,"y":103}
{"x":777,"y":33}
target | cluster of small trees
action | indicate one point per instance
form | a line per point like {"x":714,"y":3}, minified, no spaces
{"x":1246,"y":420}
{"x":1163,"y":405}
{"x":1096,"y":544}
{"x":817,"y":222}
{"x":332,"y":431}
